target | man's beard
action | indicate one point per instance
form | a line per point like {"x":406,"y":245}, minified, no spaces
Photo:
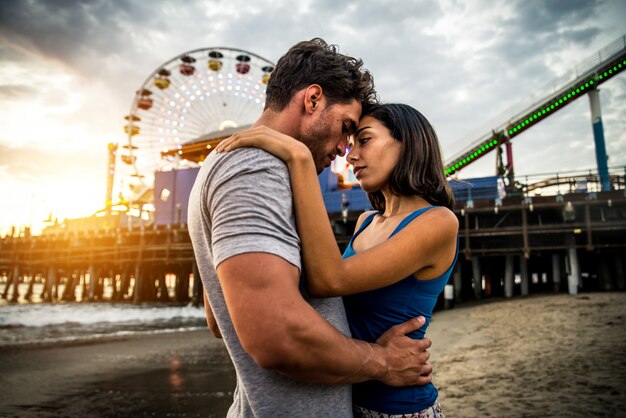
{"x":316,"y":140}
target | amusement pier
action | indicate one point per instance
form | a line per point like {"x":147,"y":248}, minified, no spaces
{"x":550,"y":232}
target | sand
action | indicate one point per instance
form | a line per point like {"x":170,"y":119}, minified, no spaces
{"x":540,"y":356}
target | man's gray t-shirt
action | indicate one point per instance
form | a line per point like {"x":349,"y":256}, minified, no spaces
{"x":241,"y":202}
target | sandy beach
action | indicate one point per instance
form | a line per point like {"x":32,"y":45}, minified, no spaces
{"x":540,"y":356}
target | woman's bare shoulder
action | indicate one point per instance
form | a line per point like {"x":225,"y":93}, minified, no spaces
{"x":362,"y":218}
{"x":440,"y":219}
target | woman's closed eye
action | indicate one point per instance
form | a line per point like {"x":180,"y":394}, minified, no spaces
{"x":363,"y":140}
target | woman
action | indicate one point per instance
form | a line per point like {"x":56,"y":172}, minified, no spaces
{"x":401,"y":255}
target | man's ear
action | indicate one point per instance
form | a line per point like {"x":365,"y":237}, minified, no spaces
{"x":313,"y":96}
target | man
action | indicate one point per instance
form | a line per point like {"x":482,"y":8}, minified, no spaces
{"x":292,"y":354}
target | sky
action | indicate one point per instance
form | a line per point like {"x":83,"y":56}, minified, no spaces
{"x":69,"y":71}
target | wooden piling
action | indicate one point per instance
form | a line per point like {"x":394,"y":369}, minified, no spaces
{"x":15,"y":281}
{"x":620,"y":282}
{"x":509,"y":275}
{"x":477,"y":276}
{"x":556,"y":272}
{"x":523,"y":267}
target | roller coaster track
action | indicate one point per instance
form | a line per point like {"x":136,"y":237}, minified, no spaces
{"x":586,"y":75}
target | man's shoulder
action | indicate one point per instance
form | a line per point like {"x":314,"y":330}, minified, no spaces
{"x":245,"y":159}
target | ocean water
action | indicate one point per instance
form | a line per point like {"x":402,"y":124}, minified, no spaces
{"x":50,"y":323}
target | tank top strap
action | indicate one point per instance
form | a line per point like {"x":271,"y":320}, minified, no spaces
{"x":409,"y":218}
{"x":365,"y":223}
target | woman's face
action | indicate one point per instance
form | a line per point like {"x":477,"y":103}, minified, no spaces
{"x":374,"y":154}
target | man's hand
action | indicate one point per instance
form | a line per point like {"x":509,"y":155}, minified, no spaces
{"x":407,"y":359}
{"x":210,"y":319}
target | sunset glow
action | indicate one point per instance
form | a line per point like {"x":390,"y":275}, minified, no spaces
{"x":69,"y":73}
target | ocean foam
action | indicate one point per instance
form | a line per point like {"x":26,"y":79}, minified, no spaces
{"x":41,"y":315}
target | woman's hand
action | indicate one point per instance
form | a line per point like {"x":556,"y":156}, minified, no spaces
{"x":280,"y":145}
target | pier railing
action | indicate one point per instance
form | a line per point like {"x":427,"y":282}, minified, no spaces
{"x":572,"y":181}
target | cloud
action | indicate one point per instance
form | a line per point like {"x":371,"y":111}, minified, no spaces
{"x":30,"y":163}
{"x":69,"y":70}
{"x":15,"y":91}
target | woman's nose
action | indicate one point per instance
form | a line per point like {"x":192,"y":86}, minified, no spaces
{"x":351,"y":156}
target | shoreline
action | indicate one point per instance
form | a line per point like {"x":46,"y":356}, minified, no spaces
{"x":146,"y":375}
{"x":543,"y":355}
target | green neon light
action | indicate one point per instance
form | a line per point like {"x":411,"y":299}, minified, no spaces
{"x":532,"y":118}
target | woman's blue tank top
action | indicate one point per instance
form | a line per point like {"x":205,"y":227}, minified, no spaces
{"x":372,"y":313}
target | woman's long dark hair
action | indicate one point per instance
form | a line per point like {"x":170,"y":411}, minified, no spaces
{"x":419,"y":170}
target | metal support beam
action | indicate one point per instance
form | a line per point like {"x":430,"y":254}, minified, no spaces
{"x":598,"y":136}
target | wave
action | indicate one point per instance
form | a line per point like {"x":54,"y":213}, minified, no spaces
{"x":70,"y":340}
{"x":36,"y":324}
{"x":42,"y":315}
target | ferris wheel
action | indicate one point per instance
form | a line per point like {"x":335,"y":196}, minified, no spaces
{"x":193,"y":94}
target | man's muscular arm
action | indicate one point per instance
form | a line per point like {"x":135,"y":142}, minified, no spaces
{"x":210,"y":318}
{"x":281,"y":331}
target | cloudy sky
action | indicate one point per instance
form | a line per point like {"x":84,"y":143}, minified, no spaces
{"x":69,"y":71}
